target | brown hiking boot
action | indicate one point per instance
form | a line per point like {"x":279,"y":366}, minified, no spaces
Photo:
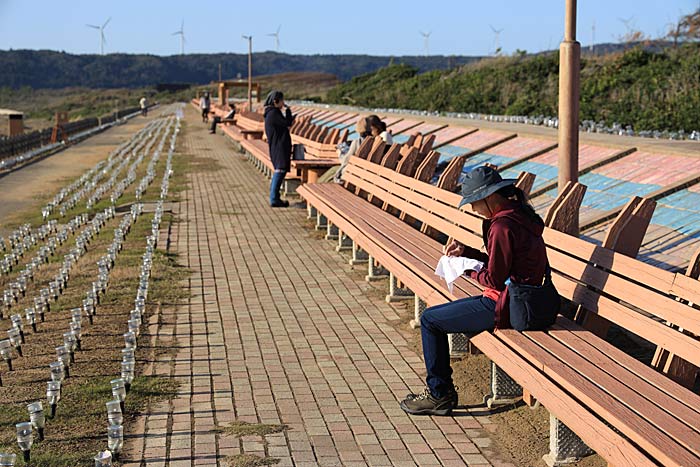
{"x":426,"y":404}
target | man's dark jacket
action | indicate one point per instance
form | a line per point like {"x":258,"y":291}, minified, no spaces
{"x":278,"y":137}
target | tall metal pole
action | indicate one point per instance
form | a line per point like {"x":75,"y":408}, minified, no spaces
{"x":250,"y":72}
{"x":569,"y":92}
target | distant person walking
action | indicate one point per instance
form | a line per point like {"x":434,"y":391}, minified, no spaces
{"x":144,"y":106}
{"x":278,"y":119}
{"x":204,"y":105}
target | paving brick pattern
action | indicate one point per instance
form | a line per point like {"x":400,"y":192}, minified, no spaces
{"x":277,"y":331}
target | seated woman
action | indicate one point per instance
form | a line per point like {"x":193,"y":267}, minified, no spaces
{"x":335,"y":173}
{"x":515,"y":254}
{"x":378,"y":128}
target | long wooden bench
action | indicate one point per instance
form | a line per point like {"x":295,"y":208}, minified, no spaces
{"x":251,"y":124}
{"x":627,"y":412}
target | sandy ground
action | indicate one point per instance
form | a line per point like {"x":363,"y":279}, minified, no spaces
{"x":30,"y":186}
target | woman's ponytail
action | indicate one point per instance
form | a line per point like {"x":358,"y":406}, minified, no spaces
{"x":513,"y":192}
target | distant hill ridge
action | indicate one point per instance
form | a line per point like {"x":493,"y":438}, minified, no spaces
{"x":50,"y":69}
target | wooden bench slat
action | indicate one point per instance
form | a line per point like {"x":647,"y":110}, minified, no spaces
{"x":406,"y":274}
{"x":623,"y":372}
{"x":643,"y":371}
{"x":626,"y":390}
{"x":639,"y":430}
{"x":615,"y":448}
{"x":424,"y":249}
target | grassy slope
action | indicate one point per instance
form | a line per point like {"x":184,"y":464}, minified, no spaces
{"x":649,"y":90}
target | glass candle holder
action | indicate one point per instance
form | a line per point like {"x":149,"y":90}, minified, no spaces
{"x":7,"y":460}
{"x":128,"y":369}
{"x":134,"y":326}
{"x":103,"y":459}
{"x":25,"y":439}
{"x":58,"y":371}
{"x":15,"y":339}
{"x":130,"y":340}
{"x":115,"y":438}
{"x":6,"y":352}
{"x":119,"y":390}
{"x":128,"y":354}
{"x":37,"y":418}
{"x":30,"y":315}
{"x":71,"y":342}
{"x":114,"y":413}
{"x":63,"y":356}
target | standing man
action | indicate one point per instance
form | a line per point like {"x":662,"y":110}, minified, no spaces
{"x":204,"y":104}
{"x":278,"y":120}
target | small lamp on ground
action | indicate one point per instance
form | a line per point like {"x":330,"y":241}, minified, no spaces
{"x":63,"y":356}
{"x":119,"y":391}
{"x":114,"y":413}
{"x":6,"y":352}
{"x":128,"y":374}
{"x":25,"y":439}
{"x":7,"y":460}
{"x":19,"y":324}
{"x":58,"y":371}
{"x":37,"y":418}
{"x":115,"y":439}
{"x":53,"y":395}
{"x":15,"y":339}
{"x":103,"y":459}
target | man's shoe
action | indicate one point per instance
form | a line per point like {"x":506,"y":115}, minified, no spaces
{"x":280,"y":204}
{"x":426,"y":404}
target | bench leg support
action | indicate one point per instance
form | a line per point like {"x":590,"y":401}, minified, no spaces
{"x":375,"y":272}
{"x":458,"y":344}
{"x":419,"y":308}
{"x":504,"y":389}
{"x":359,"y":256}
{"x":321,"y":221}
{"x":290,"y":187}
{"x":331,"y":231}
{"x":396,"y":293}
{"x":565,"y":447}
{"x":310,"y":211}
{"x":344,"y":242}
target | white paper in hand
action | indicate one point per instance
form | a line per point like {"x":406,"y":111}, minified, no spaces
{"x":451,"y":267}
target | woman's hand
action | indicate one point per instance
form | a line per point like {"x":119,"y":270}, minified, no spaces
{"x":454,"y":248}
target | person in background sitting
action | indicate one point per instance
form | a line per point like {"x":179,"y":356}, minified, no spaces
{"x":362,"y":130}
{"x":278,"y":120}
{"x":216,"y":120}
{"x":378,"y":128}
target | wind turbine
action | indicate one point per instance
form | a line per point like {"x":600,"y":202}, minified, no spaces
{"x":627,"y":22}
{"x":593,"y":37}
{"x":102,"y":34}
{"x":496,"y":42}
{"x":181,"y":33}
{"x":426,"y":41}
{"x":276,"y":35}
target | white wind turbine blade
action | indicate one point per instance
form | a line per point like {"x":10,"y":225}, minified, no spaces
{"x":107,"y":22}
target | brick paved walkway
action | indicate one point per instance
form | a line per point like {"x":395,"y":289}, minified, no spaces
{"x":277,"y":331}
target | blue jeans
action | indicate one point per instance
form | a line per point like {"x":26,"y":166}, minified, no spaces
{"x":468,"y":315}
{"x":275,"y":185}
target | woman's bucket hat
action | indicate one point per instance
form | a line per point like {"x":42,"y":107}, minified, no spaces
{"x":481,"y":182}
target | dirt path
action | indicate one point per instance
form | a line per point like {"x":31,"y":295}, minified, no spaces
{"x":31,"y":186}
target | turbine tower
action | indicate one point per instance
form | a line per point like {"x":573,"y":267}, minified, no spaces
{"x":181,"y":33}
{"x":426,"y":41}
{"x":102,"y":34}
{"x":496,"y":40}
{"x":276,"y":35}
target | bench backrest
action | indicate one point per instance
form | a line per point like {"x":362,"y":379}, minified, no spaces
{"x":648,"y":301}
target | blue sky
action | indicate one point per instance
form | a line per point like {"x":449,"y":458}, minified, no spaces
{"x":310,"y":27}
